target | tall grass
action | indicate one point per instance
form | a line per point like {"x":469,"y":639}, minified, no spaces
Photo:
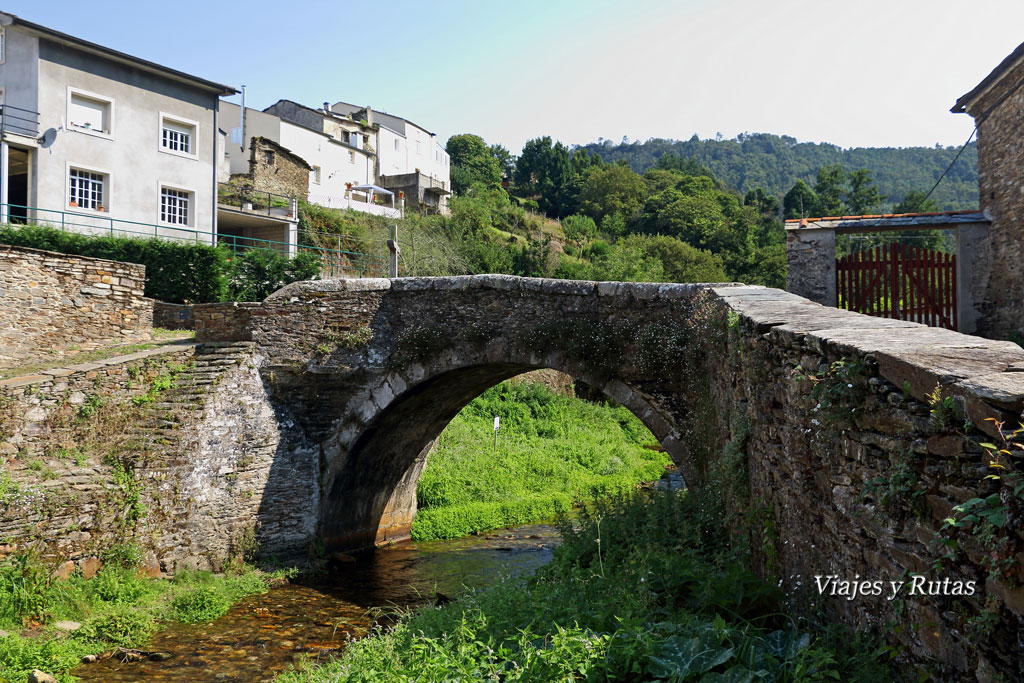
{"x":643,"y":588}
{"x":552,"y":451}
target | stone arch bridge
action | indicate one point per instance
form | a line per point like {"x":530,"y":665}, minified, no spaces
{"x":816,"y":423}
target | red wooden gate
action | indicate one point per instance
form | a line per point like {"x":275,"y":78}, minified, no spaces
{"x":899,"y":281}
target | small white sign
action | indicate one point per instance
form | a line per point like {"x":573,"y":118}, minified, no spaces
{"x":497,"y":421}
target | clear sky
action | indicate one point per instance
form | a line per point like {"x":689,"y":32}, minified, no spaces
{"x":863,"y":73}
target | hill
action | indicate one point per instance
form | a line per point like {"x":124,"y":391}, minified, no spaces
{"x":775,"y":163}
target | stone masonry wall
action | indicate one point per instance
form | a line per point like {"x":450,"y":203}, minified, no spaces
{"x":1001,"y":195}
{"x":57,"y":487}
{"x":288,"y":174}
{"x":856,"y":479}
{"x":172,"y":316}
{"x":200,"y":476}
{"x":56,"y":301}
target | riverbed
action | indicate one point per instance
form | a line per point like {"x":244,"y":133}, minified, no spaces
{"x":265,"y":634}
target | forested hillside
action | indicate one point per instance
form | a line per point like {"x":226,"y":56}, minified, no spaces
{"x":774,"y":163}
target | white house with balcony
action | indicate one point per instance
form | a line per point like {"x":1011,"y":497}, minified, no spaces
{"x":410,"y":158}
{"x":340,"y":154}
{"x":96,"y":140}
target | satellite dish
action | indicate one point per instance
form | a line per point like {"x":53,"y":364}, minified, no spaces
{"x":47,"y":138}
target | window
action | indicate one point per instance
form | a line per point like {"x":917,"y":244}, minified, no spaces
{"x":173,"y":206}
{"x":418,"y":147}
{"x":177,"y":136}
{"x":396,"y":144}
{"x":268,"y":157}
{"x":90,"y":113}
{"x":86,"y":189}
{"x":3,"y":44}
{"x":314,"y":175}
{"x":351,"y":157}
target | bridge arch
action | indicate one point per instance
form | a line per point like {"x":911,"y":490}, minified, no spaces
{"x":369,"y":491}
{"x":373,"y":370}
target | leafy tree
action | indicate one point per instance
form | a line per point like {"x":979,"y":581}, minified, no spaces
{"x":863,"y":196}
{"x":506,"y":162}
{"x":916,"y":201}
{"x":765,"y":204}
{"x":472,"y":162}
{"x":579,"y":229}
{"x":680,"y":261}
{"x":799,"y":202}
{"x":829,"y":189}
{"x":611,"y":190}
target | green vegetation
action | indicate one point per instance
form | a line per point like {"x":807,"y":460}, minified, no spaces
{"x":643,"y":588}
{"x":775,"y":163}
{"x":118,"y":607}
{"x":552,"y":451}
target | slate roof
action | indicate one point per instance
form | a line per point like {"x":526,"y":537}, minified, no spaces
{"x":890,"y":220}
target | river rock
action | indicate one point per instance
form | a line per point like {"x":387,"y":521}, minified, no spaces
{"x":3,"y":633}
{"x":159,"y":656}
{"x":38,"y":676}
{"x":89,"y":659}
{"x":67,"y":626}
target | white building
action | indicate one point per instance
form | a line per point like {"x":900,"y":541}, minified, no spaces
{"x":410,"y":158}
{"x":94,"y":139}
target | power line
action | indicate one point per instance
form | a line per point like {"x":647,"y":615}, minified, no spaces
{"x":962,"y":148}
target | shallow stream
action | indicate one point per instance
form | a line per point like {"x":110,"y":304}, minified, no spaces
{"x":264,"y":634}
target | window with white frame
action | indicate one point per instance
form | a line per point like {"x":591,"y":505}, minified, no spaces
{"x":90,"y":113}
{"x":351,"y":157}
{"x":86,"y":190}
{"x":396,"y":144}
{"x":177,"y":136}
{"x":174,"y":206}
{"x":314,"y":175}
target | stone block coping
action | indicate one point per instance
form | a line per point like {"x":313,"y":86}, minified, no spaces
{"x":46,"y":375}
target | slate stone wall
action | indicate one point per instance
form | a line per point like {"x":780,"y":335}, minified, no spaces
{"x":51,"y":301}
{"x":998,"y":114}
{"x":852,"y":474}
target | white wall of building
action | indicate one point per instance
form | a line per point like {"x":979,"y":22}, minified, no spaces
{"x":129,"y":156}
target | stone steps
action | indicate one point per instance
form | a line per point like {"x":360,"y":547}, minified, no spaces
{"x":160,"y":427}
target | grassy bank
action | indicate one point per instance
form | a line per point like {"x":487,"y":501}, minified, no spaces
{"x":552,"y":451}
{"x":645,"y":588}
{"x":115,"y":608}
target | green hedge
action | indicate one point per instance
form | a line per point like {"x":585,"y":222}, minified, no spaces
{"x":177,"y":272}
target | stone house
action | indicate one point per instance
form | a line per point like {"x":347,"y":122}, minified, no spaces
{"x":97,"y":140}
{"x":997,"y":105}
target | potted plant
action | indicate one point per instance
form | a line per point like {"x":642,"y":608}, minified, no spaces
{"x":73,"y":204}
{"x":101,"y":208}
{"x":401,"y":194}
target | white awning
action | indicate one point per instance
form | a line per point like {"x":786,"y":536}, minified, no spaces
{"x":374,"y":189}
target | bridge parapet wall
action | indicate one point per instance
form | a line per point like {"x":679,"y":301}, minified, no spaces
{"x":852,"y":470}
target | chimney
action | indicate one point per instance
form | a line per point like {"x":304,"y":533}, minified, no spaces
{"x":327,"y":107}
{"x":369,"y":116}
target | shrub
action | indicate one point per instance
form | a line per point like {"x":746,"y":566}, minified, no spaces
{"x":256,"y":274}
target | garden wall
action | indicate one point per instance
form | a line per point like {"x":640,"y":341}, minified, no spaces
{"x":51,"y":301}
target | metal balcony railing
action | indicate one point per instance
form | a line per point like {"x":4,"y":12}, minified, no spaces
{"x":256,"y":201}
{"x":19,"y":121}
